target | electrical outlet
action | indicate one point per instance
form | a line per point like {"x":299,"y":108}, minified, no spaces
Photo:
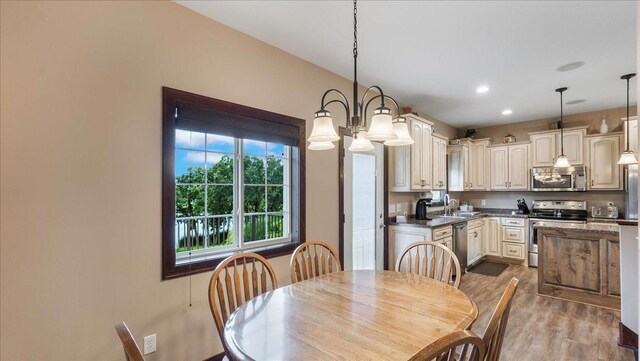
{"x":399,"y":207}
{"x":150,"y":344}
{"x":483,"y":202}
{"x":392,"y":208}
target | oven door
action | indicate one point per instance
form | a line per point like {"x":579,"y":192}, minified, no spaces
{"x":533,"y":237}
{"x":552,"y":182}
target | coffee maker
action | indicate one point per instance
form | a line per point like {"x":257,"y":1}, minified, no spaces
{"x":421,"y":208}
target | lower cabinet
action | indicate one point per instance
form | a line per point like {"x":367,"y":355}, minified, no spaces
{"x":514,"y":237}
{"x":400,"y":237}
{"x":493,"y":237}
{"x":474,"y":242}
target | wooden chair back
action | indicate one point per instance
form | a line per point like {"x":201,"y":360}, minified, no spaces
{"x":494,"y":334}
{"x":458,"y":346}
{"x":312,"y":259}
{"x":236,"y":280}
{"x":131,"y":349}
{"x":430,"y":259}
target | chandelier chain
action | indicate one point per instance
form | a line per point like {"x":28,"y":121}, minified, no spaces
{"x":355,"y":29}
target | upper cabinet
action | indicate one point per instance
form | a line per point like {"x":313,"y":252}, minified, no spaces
{"x":467,"y":165}
{"x":439,"y":162}
{"x":411,"y":165}
{"x":509,"y":166}
{"x":545,"y":146}
{"x":633,"y":135}
{"x":604,"y":171}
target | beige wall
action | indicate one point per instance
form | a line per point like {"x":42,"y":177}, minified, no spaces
{"x":81,"y":166}
{"x":592,"y":119}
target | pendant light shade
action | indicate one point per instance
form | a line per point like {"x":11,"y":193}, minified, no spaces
{"x":381,"y":125}
{"x":562,"y":161}
{"x":323,"y":130}
{"x":361,"y":143}
{"x":402,"y":132}
{"x":627,"y":157}
{"x":321,"y":145}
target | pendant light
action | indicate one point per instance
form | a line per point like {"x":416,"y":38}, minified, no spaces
{"x":383,"y":127}
{"x":627,"y":157}
{"x":562,"y":161}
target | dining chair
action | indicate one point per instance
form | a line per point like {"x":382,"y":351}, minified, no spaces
{"x":312,"y":259}
{"x":131,"y":349}
{"x":236,"y":280}
{"x":430,"y":259}
{"x":457,"y":346}
{"x":494,"y":333}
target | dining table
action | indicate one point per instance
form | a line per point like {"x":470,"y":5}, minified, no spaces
{"x":352,"y":315}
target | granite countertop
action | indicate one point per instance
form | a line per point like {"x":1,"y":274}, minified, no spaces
{"x":579,"y":227}
{"x":438,"y":219}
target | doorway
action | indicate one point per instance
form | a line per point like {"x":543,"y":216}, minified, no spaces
{"x":363,"y":205}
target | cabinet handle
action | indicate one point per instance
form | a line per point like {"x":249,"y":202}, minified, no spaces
{"x":506,"y":184}
{"x":512,"y":251}
{"x":592,"y":182}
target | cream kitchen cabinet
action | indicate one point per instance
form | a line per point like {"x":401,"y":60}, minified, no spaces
{"x":633,"y":136}
{"x":545,"y":146}
{"x":492,"y":237}
{"x":474,"y":241}
{"x":401,"y":236}
{"x":458,"y":167}
{"x":467,"y":165}
{"x":509,"y":166}
{"x":439,"y":161}
{"x":604,"y":171}
{"x":411,"y":166}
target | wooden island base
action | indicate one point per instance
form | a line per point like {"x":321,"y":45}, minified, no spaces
{"x":579,"y":265}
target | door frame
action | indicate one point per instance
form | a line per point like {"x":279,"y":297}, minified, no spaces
{"x":342,"y":131}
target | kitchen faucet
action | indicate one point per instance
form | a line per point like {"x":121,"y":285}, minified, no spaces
{"x":447,"y":202}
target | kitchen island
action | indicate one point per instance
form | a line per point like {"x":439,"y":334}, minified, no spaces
{"x":579,"y":262}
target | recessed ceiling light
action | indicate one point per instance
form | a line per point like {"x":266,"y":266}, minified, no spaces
{"x":577,"y":101}
{"x":482,"y":89}
{"x":507,"y":112}
{"x":571,"y":66}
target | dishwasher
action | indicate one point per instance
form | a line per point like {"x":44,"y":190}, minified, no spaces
{"x":460,"y":244}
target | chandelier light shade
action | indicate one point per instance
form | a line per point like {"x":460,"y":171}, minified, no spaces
{"x":627,"y":157}
{"x":382,"y":127}
{"x":323,"y":130}
{"x":562,"y":161}
{"x":361,"y":143}
{"x":401,"y":128}
{"x":321,"y":145}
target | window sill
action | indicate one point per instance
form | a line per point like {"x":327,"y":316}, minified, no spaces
{"x":267,"y":251}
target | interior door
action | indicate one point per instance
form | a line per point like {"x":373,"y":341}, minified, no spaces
{"x":363,"y":246}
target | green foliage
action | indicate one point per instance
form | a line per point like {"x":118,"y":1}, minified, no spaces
{"x":190,"y":200}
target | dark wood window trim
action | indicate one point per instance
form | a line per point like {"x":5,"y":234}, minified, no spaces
{"x":172,"y":98}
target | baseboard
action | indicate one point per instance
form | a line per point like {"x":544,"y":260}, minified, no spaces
{"x":628,"y":338}
{"x":217,"y":357}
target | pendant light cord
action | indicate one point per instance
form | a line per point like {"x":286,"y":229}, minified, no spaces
{"x":561,"y":127}
{"x":628,"y":128}
{"x":356,"y":122}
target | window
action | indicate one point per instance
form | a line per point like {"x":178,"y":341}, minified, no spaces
{"x":231,"y":182}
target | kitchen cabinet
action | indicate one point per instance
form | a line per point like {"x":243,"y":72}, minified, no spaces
{"x":514,"y":234}
{"x":604,"y":171}
{"x":474,"y":241}
{"x":478,"y":164}
{"x":509,"y":166}
{"x":492,"y":237}
{"x":633,"y":135}
{"x":546,"y":146}
{"x":468,"y":165}
{"x":439,"y":162}
{"x":401,"y":236}
{"x":411,"y":165}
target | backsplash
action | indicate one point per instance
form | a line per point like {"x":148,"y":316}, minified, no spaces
{"x":508,"y":199}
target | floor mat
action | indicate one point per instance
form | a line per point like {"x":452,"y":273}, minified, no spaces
{"x":489,"y":268}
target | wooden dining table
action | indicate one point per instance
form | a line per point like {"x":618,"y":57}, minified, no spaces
{"x":354,"y":315}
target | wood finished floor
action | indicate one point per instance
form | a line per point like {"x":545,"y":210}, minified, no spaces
{"x":542,"y":328}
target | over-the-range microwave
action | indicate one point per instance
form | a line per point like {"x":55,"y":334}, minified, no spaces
{"x":571,"y":179}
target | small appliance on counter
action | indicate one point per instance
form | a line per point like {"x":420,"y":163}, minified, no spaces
{"x":421,"y":208}
{"x":522,"y":206}
{"x":609,"y":211}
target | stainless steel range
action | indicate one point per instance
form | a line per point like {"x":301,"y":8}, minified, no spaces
{"x":556,"y":211}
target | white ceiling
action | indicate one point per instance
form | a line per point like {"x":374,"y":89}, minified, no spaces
{"x":433,"y":55}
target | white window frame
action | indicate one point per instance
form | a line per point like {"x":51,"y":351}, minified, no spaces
{"x":238,"y":208}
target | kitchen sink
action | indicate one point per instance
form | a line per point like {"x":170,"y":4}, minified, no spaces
{"x":465,"y":214}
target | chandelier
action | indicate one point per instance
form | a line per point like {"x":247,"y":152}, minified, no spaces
{"x":393,"y":131}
